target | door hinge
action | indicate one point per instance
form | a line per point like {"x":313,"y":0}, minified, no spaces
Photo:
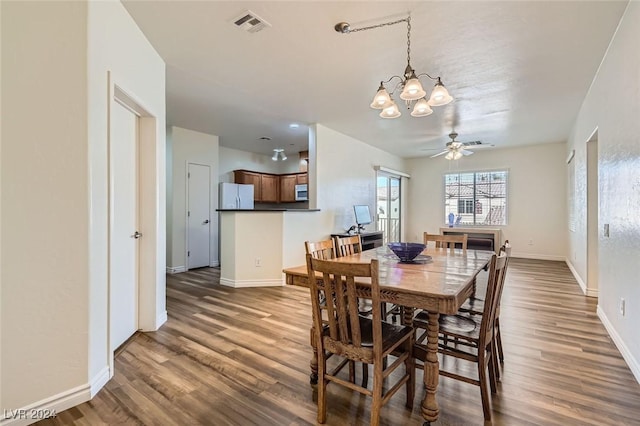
{"x":188,"y":253}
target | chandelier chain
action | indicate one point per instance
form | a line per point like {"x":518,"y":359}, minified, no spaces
{"x":408,"y":40}
{"x":384,"y":24}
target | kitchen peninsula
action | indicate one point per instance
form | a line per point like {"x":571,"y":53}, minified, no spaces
{"x":256,"y":244}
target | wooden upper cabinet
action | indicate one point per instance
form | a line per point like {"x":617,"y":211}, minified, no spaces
{"x":288,"y":188}
{"x":270,"y":188}
{"x":252,"y":178}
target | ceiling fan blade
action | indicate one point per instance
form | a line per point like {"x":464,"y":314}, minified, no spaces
{"x":483,"y":146}
{"x":465,"y":152}
{"x":439,"y":154}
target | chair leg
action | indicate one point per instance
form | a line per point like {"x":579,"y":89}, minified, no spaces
{"x":352,"y":371}
{"x":365,"y":374}
{"x":322,"y":390}
{"x":484,"y":391}
{"x":499,"y":340}
{"x":493,"y":368}
{"x":410,"y":366}
{"x":376,"y":403}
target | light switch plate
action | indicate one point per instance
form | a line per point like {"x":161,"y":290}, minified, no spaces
{"x":606,"y":230}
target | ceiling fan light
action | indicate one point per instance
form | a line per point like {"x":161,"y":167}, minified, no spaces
{"x":449,"y":155}
{"x":412,"y":90}
{"x":440,"y":95}
{"x":457,"y":155}
{"x":381,"y":100}
{"x":283,"y":156}
{"x":421,"y":109}
{"x":275,"y":156}
{"x":390,"y":112}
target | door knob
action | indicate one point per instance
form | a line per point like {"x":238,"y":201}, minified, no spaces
{"x":137,"y":235}
{"x":205,"y":222}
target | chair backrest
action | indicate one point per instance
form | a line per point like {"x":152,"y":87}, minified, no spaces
{"x":324,"y":249}
{"x":336,"y":294}
{"x":495,"y":284}
{"x":446,"y":241}
{"x":506,"y":248}
{"x":346,"y":246}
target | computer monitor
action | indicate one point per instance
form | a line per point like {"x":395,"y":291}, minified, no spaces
{"x":363,"y":215}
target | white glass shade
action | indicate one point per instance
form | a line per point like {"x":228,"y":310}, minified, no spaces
{"x":412,"y":90}
{"x":439,"y":95}
{"x":453,"y":155}
{"x":381,"y":100}
{"x":421,"y":109}
{"x":283,"y":156}
{"x":275,"y":157}
{"x":390,"y":112}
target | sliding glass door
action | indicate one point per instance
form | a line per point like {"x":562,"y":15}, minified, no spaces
{"x":388,"y":206}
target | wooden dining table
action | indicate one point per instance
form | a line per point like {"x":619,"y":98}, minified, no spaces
{"x":438,"y":281}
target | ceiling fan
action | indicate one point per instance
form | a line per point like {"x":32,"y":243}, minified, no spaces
{"x":455,"y":150}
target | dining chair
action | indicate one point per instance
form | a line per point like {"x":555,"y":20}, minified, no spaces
{"x":475,"y":305}
{"x":446,"y":241}
{"x":471,"y":337}
{"x":324,"y":249}
{"x":346,"y":246}
{"x":356,"y":338}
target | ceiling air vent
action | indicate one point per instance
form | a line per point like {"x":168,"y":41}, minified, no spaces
{"x":250,"y":22}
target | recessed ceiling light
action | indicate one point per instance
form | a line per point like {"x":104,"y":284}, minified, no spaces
{"x":294,"y":125}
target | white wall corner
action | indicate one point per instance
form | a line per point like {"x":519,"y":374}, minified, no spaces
{"x":581,"y":283}
{"x":634,"y":364}
{"x":99,"y":381}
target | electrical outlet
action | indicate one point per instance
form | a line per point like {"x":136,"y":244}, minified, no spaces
{"x":258,"y":262}
{"x":622,"y":306}
{"x":606,"y":230}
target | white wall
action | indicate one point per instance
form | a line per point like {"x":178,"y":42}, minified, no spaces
{"x":188,"y":146}
{"x":45,"y":201}
{"x":536,"y":204}
{"x":613,"y":107}
{"x":54,"y":247}
{"x":342,"y":174}
{"x":234,"y":159}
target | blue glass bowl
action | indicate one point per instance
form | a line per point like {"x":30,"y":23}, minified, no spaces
{"x":406,"y":252}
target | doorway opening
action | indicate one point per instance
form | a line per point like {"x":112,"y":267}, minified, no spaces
{"x":592,"y":215}
{"x":388,"y":205}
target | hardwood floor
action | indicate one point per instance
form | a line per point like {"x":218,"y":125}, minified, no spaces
{"x":241,"y":357}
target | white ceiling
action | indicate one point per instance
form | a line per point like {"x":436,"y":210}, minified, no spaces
{"x":518,"y":70}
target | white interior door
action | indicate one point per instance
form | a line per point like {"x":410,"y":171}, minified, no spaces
{"x":198,"y":216}
{"x":124,"y":225}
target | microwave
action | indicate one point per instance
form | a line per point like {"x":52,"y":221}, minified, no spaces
{"x":301,"y":192}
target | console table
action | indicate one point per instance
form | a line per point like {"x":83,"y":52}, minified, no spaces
{"x":369,"y":240}
{"x":478,"y":238}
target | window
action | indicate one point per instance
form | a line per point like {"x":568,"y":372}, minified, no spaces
{"x":476,"y":198}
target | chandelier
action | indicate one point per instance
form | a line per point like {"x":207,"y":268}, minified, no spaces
{"x":409,"y":85}
{"x":279,"y":152}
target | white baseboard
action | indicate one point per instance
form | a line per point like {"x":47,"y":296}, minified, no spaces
{"x":214,"y":264}
{"x":99,"y":381}
{"x":57,"y":403}
{"x":581,"y":283}
{"x":251,"y":283}
{"x":633,"y":363}
{"x":176,"y":269}
{"x":537,"y":256}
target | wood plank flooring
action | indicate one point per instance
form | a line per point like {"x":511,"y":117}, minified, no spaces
{"x":241,"y":357}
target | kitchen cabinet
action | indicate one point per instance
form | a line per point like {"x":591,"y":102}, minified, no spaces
{"x":270,"y":188}
{"x":287,"y":188}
